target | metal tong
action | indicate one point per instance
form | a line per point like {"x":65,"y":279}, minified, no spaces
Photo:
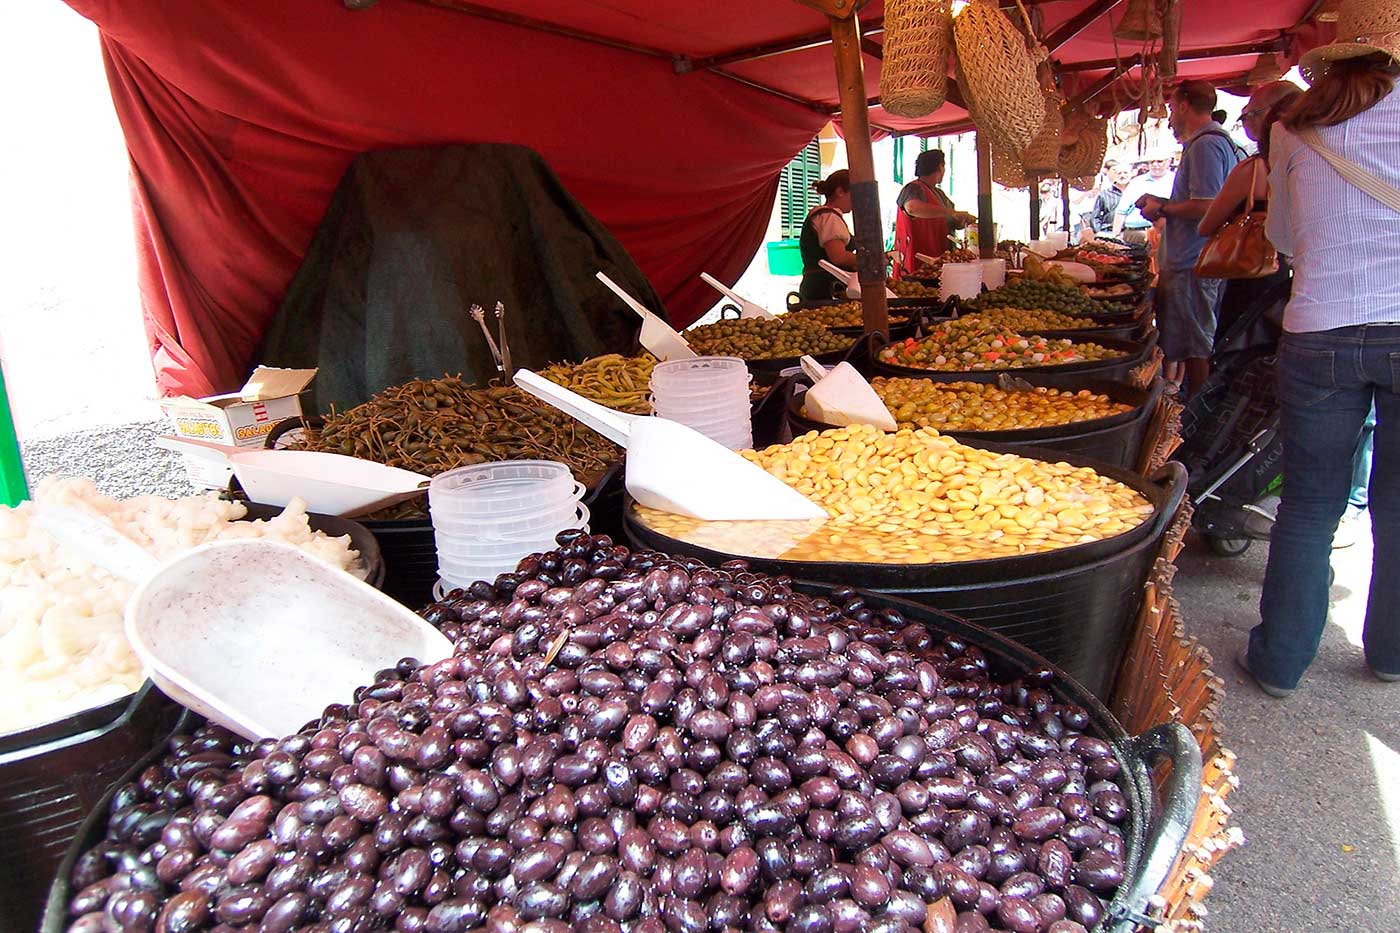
{"x":479,"y":315}
{"x":506,"y":368}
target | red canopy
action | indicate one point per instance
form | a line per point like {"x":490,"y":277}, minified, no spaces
{"x":670,"y":122}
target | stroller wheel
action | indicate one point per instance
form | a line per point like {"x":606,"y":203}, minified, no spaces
{"x":1227,"y":547}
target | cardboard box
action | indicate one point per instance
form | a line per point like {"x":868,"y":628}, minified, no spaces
{"x":239,"y":419}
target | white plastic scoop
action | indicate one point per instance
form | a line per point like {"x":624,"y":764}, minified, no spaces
{"x":850,"y":278}
{"x":1076,"y":270}
{"x":842,"y":396}
{"x":257,"y":636}
{"x":661,"y":339}
{"x":675,"y":469}
{"x":925,"y":258}
{"x":746,"y":308}
{"x":331,"y":484}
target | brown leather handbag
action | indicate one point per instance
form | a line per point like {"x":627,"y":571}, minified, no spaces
{"x":1240,"y":249}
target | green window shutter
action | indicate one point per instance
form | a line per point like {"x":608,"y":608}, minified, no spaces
{"x":795,"y":193}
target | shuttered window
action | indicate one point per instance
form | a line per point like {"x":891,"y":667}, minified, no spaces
{"x":795,"y":193}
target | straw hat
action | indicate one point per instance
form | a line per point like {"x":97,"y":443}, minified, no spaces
{"x":1363,"y":27}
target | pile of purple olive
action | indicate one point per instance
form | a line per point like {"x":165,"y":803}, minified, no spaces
{"x":627,"y":742}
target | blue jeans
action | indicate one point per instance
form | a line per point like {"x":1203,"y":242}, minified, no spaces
{"x":1327,"y":383}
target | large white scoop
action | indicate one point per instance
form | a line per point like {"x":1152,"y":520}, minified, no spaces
{"x":256,"y":635}
{"x":662,"y":340}
{"x":746,"y":308}
{"x":850,"y":278}
{"x":841,"y":396}
{"x":1076,"y":270}
{"x":331,"y":484}
{"x":675,"y":469}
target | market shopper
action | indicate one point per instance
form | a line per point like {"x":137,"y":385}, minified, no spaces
{"x":1128,"y":222}
{"x":1188,"y":304}
{"x":1359,"y":498}
{"x":926,"y":214}
{"x":1248,"y":185}
{"x":826,"y":236}
{"x":1099,"y":219}
{"x":1052,"y":208}
{"x":1341,"y":340}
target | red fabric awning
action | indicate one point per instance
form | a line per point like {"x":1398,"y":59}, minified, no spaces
{"x":240,"y":119}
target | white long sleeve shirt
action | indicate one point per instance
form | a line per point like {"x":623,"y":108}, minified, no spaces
{"x":1343,"y":242}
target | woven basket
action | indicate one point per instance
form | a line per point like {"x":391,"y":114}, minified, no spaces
{"x":1171,"y":39}
{"x":918,"y":41}
{"x":1006,"y":168}
{"x":997,"y":74}
{"x":1085,"y":155}
{"x":1042,"y":156}
{"x":1141,"y":22}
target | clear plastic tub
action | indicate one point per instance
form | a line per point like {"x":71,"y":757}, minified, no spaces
{"x":713,"y":415}
{"x":688,"y":390}
{"x":501,"y":531}
{"x":542,"y":503}
{"x":464,"y":575}
{"x":504,"y":487}
{"x":701,"y":370}
{"x":715,"y":420}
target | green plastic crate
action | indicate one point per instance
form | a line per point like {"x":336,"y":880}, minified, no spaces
{"x":784,"y":257}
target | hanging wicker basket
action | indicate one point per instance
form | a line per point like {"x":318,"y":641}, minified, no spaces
{"x":997,"y":74}
{"x":1006,"y":168}
{"x":1042,"y":156}
{"x":1171,"y":39}
{"x":918,"y":42}
{"x":1141,"y":22}
{"x":1085,"y":155}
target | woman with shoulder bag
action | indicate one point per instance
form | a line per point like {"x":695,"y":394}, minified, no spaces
{"x":1335,"y":209}
{"x":1245,"y":192}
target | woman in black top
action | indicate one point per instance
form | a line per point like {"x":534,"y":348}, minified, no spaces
{"x":826,"y":236}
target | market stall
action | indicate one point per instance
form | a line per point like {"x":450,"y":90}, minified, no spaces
{"x":652,"y":736}
{"x":1096,"y":886}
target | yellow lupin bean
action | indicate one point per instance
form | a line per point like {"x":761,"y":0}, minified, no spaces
{"x":916,"y":496}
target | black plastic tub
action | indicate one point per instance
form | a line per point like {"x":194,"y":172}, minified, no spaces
{"x":767,"y":372}
{"x":1112,"y":370}
{"x":1075,"y":605}
{"x":1115,"y":440}
{"x":1160,"y":812}
{"x":55,"y":775}
{"x":905,"y":306}
{"x":370,"y":567}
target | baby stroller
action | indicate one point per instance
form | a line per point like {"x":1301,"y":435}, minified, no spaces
{"x":1230,"y":441}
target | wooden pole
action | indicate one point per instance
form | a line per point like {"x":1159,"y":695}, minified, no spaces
{"x":865,"y":192}
{"x":1035,"y":207}
{"x":986,"y":229}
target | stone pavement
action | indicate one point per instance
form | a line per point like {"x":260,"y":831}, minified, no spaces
{"x":1319,"y":796}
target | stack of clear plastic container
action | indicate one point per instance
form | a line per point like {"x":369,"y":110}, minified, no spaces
{"x":709,"y":394}
{"x":959,"y":280}
{"x":487,"y":517}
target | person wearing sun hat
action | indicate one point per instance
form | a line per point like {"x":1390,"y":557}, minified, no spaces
{"x":1335,"y":209}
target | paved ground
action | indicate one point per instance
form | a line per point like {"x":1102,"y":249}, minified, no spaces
{"x":1319,"y":799}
